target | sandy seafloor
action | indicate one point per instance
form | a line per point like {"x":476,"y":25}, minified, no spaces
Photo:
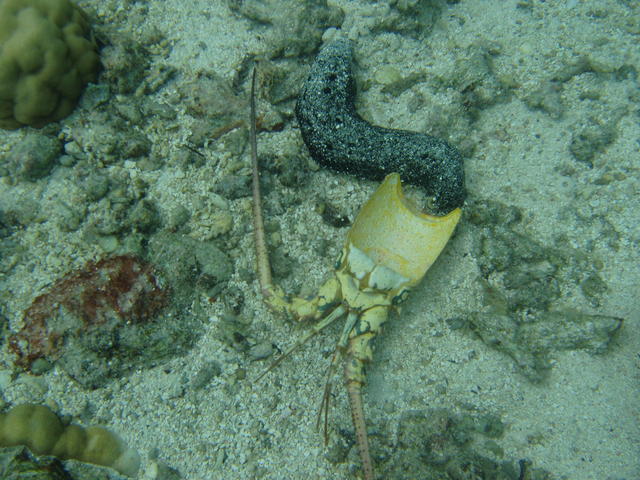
{"x":582,"y":422}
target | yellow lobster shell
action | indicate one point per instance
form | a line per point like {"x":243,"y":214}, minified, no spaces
{"x":391,"y":231}
{"x":392,"y":244}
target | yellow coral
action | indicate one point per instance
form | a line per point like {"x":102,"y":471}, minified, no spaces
{"x":39,"y":429}
{"x":47,"y":56}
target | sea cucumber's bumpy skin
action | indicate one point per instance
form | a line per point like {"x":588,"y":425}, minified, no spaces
{"x":338,"y":138}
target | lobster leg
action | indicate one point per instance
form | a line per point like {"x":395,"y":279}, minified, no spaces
{"x":323,"y":411}
{"x":317,"y":328}
{"x":328,"y":297}
{"x":359,"y":352}
{"x":354,"y":391}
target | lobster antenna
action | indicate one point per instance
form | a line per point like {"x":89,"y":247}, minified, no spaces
{"x":262,"y":255}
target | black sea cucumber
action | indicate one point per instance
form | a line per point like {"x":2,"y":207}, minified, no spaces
{"x":339,"y":139}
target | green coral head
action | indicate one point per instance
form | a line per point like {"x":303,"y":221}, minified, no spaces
{"x":40,"y":430}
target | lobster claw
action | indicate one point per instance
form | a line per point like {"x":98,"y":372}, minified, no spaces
{"x":392,"y":232}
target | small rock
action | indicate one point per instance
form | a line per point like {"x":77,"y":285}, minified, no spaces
{"x":206,"y":373}
{"x":34,"y":156}
{"x":261,"y":350}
